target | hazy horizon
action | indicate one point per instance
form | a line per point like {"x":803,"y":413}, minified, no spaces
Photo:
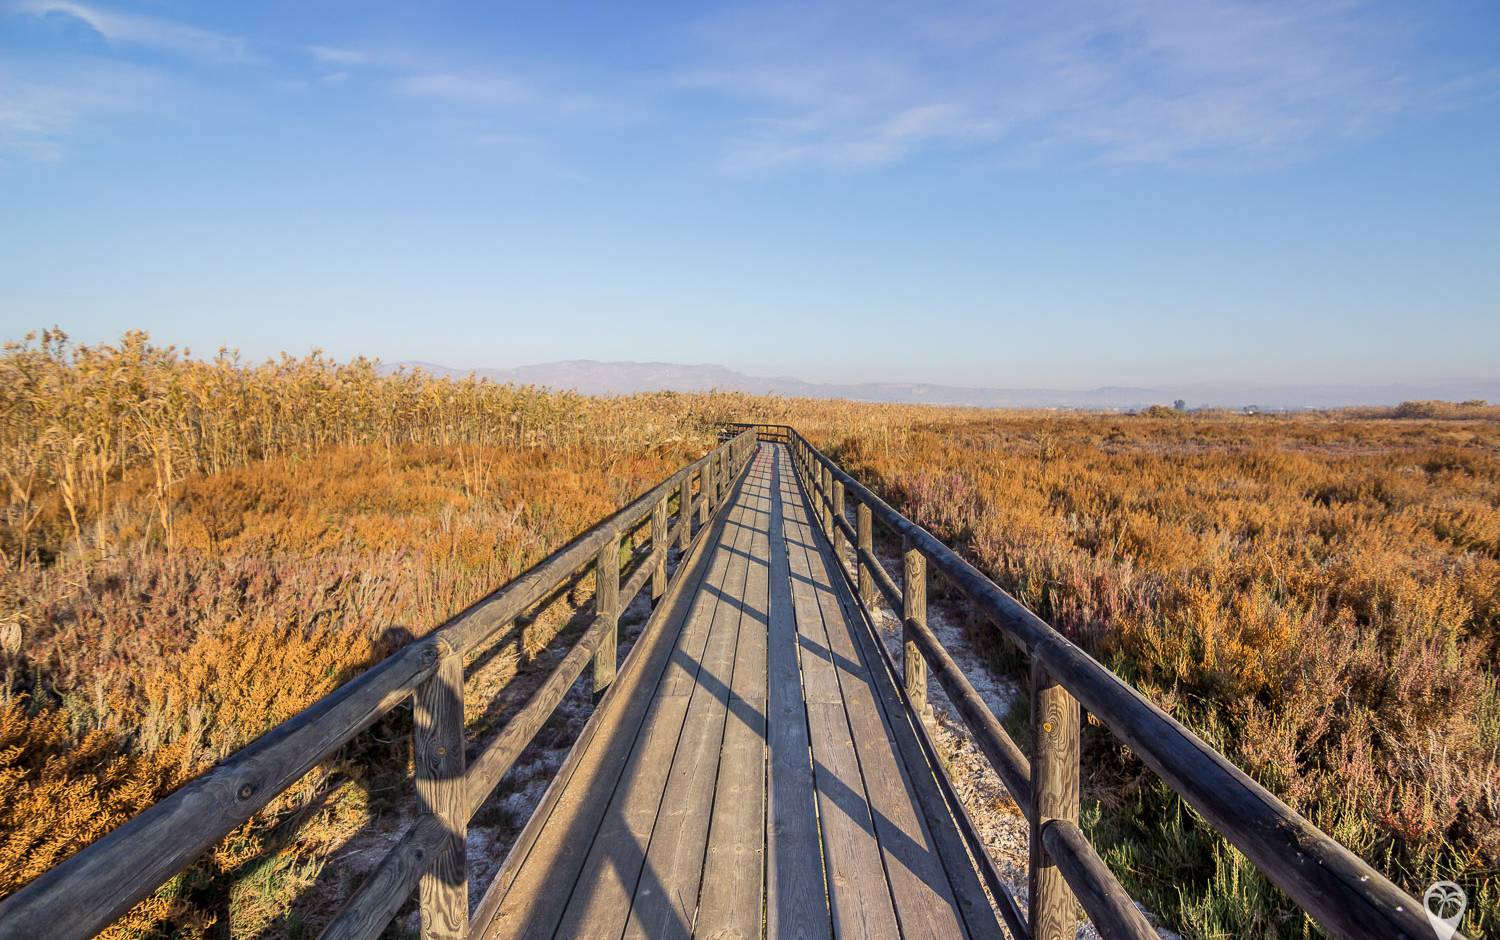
{"x":1119,"y":194}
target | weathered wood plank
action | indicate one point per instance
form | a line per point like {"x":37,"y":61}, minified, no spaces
{"x":734,"y":866}
{"x":913,"y":616}
{"x":923,"y":769}
{"x":659,"y":550}
{"x":796,"y":900}
{"x":666,"y":895}
{"x":541,"y":868}
{"x":370,"y":909}
{"x":500,"y":754}
{"x":859,"y":894}
{"x":919,"y":886}
{"x":1100,"y":894}
{"x":820,"y":681}
{"x":601,"y":897}
{"x":1054,"y":790}
{"x":438,"y":760}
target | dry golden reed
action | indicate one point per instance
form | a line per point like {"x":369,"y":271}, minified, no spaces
{"x":194,"y":550}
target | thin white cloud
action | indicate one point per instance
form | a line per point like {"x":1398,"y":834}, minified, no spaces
{"x":462,"y":88}
{"x":39,"y":114}
{"x":332,"y":55}
{"x":1131,"y":81}
{"x":129,"y":29}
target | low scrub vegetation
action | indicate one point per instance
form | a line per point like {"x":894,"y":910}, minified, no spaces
{"x":1317,"y":596}
{"x":194,"y":550}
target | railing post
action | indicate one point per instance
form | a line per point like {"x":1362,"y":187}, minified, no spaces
{"x":685,"y":510}
{"x":1054,"y":785}
{"x":659,"y":550}
{"x":866,"y":534}
{"x":704,"y":497}
{"x":913,"y":611}
{"x":607,"y":608}
{"x":840,"y":542}
{"x":438,"y":758}
{"x":826,"y":503}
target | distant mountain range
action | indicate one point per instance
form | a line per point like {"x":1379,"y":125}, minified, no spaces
{"x":624,"y":378}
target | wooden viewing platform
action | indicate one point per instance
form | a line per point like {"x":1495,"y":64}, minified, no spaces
{"x":757,"y":765}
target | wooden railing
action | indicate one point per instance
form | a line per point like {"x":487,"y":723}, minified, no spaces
{"x":84,"y":894}
{"x":1343,"y":894}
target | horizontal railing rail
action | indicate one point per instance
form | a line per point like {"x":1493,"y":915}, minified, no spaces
{"x":1340,"y":891}
{"x":87,"y":892}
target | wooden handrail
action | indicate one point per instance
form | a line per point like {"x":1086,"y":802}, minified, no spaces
{"x":85,"y":893}
{"x":1107,"y":904}
{"x":367,"y":912}
{"x":1340,"y":891}
{"x":88,"y":891}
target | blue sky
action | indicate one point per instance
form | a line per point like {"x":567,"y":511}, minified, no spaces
{"x":1013,"y":194}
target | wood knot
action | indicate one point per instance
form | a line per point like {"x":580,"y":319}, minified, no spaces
{"x":246,"y":791}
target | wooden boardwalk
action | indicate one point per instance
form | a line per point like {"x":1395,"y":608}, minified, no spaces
{"x":753,"y":768}
{"x":752,"y":771}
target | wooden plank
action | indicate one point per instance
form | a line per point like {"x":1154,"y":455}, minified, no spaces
{"x":918,"y":882}
{"x":666,"y":895}
{"x":820,"y":682}
{"x":796,"y":891}
{"x":1055,"y":723}
{"x":607,"y":609}
{"x":1100,"y":894}
{"x":859,"y":894}
{"x":974,"y":906}
{"x":1343,"y":893}
{"x":370,"y":909}
{"x":497,"y":758}
{"x":438,"y":759}
{"x":734,"y":866}
{"x":533,"y":884}
{"x":601,"y":896}
{"x":913,"y":616}
{"x":865,"y":545}
{"x":659,"y":550}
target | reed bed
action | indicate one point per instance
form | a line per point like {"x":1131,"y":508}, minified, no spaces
{"x":194,"y":550}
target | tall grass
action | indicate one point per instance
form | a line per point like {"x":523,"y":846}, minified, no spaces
{"x":195,"y":549}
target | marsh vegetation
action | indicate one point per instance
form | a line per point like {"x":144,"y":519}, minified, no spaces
{"x":196,"y":549}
